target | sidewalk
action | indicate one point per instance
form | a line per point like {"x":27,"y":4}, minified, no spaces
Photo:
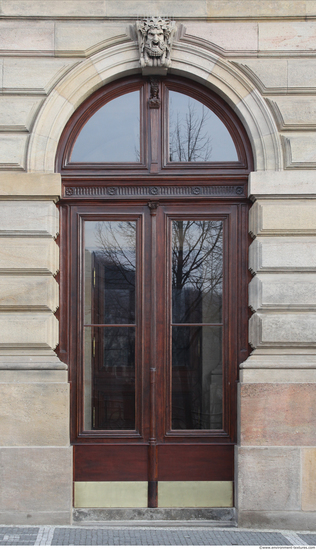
{"x":149,"y":536}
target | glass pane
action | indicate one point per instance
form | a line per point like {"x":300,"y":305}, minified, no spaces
{"x":196,"y":378}
{"x":109,"y":378}
{"x":196,"y":133}
{"x":110,"y":272}
{"x":112,"y":133}
{"x":197,"y":271}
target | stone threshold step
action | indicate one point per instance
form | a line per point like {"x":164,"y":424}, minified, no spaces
{"x":216,"y":517}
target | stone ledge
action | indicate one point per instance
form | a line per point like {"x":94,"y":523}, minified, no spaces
{"x":20,"y":361}
{"x":278,"y":376}
{"x":286,"y":361}
{"x":172,"y":515}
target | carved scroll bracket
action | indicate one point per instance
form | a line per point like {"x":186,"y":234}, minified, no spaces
{"x":153,"y":207}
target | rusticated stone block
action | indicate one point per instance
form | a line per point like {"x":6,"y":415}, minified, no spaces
{"x":27,"y":35}
{"x":34,"y":73}
{"x":285,"y":330}
{"x":286,"y":291}
{"x":28,"y":330}
{"x":309,"y":479}
{"x":282,"y":254}
{"x":278,"y":414}
{"x":13,"y":151}
{"x":268,"y":479}
{"x":33,"y":292}
{"x":284,"y":183}
{"x":284,"y":35}
{"x":36,"y":255}
{"x":227,"y":35}
{"x":38,"y":218}
{"x":282,"y":217}
{"x":36,"y":483}
{"x":34,"y":414}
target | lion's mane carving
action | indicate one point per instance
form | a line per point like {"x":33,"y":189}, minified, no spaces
{"x":155,"y":37}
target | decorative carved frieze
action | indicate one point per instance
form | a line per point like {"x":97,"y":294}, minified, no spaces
{"x":155,"y":37}
{"x":132,"y":191}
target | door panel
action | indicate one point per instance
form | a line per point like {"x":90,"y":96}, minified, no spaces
{"x":180,"y":462}
{"x":111,"y":462}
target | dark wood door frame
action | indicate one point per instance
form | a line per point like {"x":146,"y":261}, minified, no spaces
{"x":149,"y":192}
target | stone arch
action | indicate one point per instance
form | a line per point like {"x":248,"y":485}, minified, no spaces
{"x":190,"y":60}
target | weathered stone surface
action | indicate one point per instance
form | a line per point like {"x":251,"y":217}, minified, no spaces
{"x":282,"y":330}
{"x":12,"y":151}
{"x":29,"y":487}
{"x":254,"y":8}
{"x":29,"y":184}
{"x":293,"y":112}
{"x":175,"y":9}
{"x":296,"y":521}
{"x":34,"y":414}
{"x":43,"y":376}
{"x":28,"y":330}
{"x":17,"y":113}
{"x":283,"y":217}
{"x":29,"y":292}
{"x":300,"y":149}
{"x":278,"y":414}
{"x":283,"y":291}
{"x":38,"y":218}
{"x":290,"y":35}
{"x":27,"y":36}
{"x":309,"y":479}
{"x":28,"y":74}
{"x":283,"y":254}
{"x":228,"y":36}
{"x":77,"y":38}
{"x":268,"y":74}
{"x":66,"y":8}
{"x":74,"y":96}
{"x":36,"y":255}
{"x":284,"y":183}
{"x":301,"y":72}
{"x":268,"y":478}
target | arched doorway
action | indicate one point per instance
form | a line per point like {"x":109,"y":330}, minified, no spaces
{"x":154,"y":290}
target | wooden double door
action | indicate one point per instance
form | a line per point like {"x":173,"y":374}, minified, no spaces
{"x":156,"y":333}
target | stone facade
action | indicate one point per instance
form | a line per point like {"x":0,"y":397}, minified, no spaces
{"x":260,"y":57}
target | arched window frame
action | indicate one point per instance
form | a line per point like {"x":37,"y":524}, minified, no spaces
{"x":126,"y":85}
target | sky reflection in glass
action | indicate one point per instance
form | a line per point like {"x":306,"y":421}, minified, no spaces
{"x":112,"y":133}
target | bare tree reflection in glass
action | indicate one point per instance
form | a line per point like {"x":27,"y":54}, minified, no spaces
{"x":196,"y":133}
{"x":110,"y":254}
{"x":197,"y":279}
